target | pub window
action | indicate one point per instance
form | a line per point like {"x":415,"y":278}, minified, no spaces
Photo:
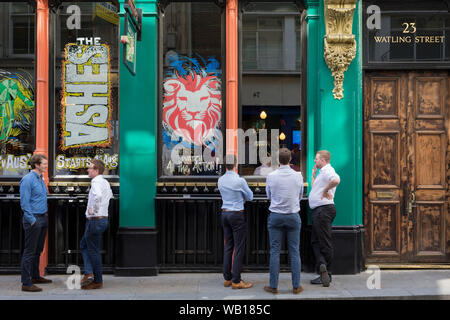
{"x":17,"y":87}
{"x":271,"y":84}
{"x":191,"y":126}
{"x":86,"y":86}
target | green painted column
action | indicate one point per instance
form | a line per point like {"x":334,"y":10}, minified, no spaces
{"x":138,"y":125}
{"x":336,"y":125}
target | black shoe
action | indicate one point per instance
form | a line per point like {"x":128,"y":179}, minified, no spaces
{"x":325,"y":277}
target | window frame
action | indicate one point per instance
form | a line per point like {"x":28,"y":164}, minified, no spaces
{"x":190,"y":178}
{"x":17,"y":63}
{"x":301,"y":73}
{"x":53,"y":100}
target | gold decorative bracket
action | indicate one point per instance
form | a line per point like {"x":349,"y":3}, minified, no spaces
{"x":339,"y":42}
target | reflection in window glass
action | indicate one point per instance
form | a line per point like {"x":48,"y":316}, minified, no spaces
{"x":86,"y":88}
{"x":17,"y":88}
{"x":271,"y":42}
{"x":192,"y":99}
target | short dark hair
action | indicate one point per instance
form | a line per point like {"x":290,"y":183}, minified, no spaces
{"x":98,"y":165}
{"x":284,"y":156}
{"x":230,"y":161}
{"x":36,"y":159}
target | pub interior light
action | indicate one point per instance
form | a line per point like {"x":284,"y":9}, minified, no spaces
{"x":263,"y":115}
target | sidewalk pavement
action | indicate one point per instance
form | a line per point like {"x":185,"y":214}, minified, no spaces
{"x":393,"y":284}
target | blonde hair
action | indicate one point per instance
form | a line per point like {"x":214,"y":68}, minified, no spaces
{"x":324,"y":154}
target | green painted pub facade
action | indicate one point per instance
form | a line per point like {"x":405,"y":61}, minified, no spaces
{"x":366,"y":80}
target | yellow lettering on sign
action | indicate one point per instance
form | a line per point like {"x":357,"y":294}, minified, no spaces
{"x":86,"y":102}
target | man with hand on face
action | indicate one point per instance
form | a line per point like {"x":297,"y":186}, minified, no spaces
{"x":33,"y":201}
{"x":97,"y":222}
{"x":323,"y":213}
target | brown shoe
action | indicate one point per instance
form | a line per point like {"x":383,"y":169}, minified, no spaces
{"x":41,"y":280}
{"x":242,"y":285}
{"x":31,"y":288}
{"x":88,"y":278}
{"x":297,"y":290}
{"x":271,"y":290}
{"x":227,"y":283}
{"x":92,"y":285}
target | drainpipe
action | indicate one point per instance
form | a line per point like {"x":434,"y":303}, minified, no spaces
{"x":232,"y":75}
{"x":42,"y":88}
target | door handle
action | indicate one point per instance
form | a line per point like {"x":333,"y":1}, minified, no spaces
{"x":411,"y":202}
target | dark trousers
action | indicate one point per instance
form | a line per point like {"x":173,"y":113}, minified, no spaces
{"x":34,"y":240}
{"x":321,"y":241}
{"x":235,"y":233}
{"x":90,"y":247}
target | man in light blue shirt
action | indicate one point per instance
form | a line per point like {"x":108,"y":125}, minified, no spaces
{"x":284,"y":188}
{"x":33,"y":201}
{"x":234,"y":191}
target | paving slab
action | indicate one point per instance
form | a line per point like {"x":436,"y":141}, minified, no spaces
{"x":386,"y":284}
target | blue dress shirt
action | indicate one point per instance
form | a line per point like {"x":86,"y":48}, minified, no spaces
{"x":33,"y":196}
{"x":234,"y":190}
{"x":284,"y":188}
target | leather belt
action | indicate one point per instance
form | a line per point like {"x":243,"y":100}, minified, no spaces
{"x":96,"y":218}
{"x":225,"y":210}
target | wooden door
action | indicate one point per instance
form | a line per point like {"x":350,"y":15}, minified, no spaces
{"x":407,"y":167}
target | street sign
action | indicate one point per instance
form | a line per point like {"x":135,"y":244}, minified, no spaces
{"x":129,"y":47}
{"x":132,"y":31}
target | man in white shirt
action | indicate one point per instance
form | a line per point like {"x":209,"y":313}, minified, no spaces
{"x":284,"y":188}
{"x":97,"y":222}
{"x":321,"y":201}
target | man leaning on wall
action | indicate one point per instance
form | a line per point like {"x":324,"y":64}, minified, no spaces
{"x":321,"y":202}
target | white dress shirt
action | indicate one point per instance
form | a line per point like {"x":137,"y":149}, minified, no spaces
{"x":326,"y":174}
{"x":99,"y":196}
{"x":284,"y":188}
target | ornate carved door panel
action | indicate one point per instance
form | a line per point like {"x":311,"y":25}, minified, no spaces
{"x":406,"y":150}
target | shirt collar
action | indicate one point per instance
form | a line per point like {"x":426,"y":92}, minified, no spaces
{"x":37,"y":174}
{"x":285,"y":166}
{"x":97,"y":177}
{"x":231,"y":172}
{"x":326,"y":166}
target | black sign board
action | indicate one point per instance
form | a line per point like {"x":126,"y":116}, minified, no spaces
{"x":399,"y":37}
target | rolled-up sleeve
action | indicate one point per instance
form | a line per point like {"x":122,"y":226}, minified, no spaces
{"x":25,"y":198}
{"x":97,"y":193}
{"x":248,"y":194}
{"x":268,"y":187}
{"x":332,"y":175}
{"x":301,"y":185}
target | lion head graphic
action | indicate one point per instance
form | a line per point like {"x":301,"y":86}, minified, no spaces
{"x":192,"y":101}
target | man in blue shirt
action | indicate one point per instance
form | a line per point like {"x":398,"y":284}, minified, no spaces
{"x":33,"y":201}
{"x":284,"y":188}
{"x":234,"y":191}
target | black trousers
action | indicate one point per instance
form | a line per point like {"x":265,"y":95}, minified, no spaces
{"x":33,"y":246}
{"x":321,"y":241}
{"x":235,"y":234}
